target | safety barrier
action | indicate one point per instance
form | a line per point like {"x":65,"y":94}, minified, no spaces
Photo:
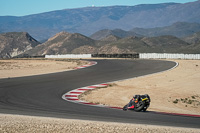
{"x":115,"y":55}
{"x":69,"y":56}
{"x":94,"y":56}
{"x":140,"y":55}
{"x":168,"y":56}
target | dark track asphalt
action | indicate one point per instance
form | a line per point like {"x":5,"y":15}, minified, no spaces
{"x":41,"y":95}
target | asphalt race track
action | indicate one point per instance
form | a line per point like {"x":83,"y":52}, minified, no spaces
{"x":42,"y":95}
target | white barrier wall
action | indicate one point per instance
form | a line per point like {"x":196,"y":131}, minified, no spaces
{"x":70,"y":56}
{"x":168,"y":56}
{"x":141,"y":55}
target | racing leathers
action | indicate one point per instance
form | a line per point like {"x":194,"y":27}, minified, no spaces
{"x":133,"y":101}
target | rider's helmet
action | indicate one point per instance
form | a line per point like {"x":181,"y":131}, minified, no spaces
{"x":135,"y":98}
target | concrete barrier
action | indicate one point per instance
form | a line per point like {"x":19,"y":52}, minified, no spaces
{"x":140,"y":55}
{"x":168,"y":56}
{"x":69,"y":56}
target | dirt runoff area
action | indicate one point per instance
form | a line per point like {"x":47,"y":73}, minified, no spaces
{"x":31,"y":124}
{"x":174,"y":91}
{"x":27,"y":67}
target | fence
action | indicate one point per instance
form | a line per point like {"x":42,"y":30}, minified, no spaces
{"x":168,"y":56}
{"x":70,"y":56}
{"x":28,"y":56}
{"x":116,"y":55}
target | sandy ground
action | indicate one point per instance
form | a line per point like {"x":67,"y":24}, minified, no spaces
{"x":175,"y":91}
{"x":30,"y":124}
{"x":26,"y":67}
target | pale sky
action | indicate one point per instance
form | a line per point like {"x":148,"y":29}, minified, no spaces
{"x":27,"y":7}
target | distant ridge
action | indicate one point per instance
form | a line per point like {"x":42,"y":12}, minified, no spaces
{"x":178,"y":29}
{"x":91,"y":19}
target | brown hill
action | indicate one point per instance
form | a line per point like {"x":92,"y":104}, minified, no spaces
{"x":193,"y":39}
{"x":168,"y":44}
{"x":15,"y":43}
{"x":130,"y":45}
{"x":99,"y":35}
{"x":110,"y":38}
{"x":61,"y":43}
{"x":67,"y":43}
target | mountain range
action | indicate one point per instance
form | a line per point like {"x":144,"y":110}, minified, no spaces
{"x":21,"y":43}
{"x":88,"y":20}
{"x":178,"y":29}
{"x":75,"y":43}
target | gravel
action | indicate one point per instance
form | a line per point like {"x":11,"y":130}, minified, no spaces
{"x":32,"y":124}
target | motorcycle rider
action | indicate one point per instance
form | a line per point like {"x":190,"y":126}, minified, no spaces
{"x":138,"y":103}
{"x":133,"y":101}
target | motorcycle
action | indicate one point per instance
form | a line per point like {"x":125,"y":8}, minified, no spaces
{"x":140,"y":104}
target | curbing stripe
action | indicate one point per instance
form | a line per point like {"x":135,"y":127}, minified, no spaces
{"x":71,"y":96}
{"x":76,"y":92}
{"x":92,"y":87}
{"x":83,"y":89}
{"x":72,"y":99}
{"x":88,"y":103}
{"x":91,"y":63}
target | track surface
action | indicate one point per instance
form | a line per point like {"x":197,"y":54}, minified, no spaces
{"x":41,"y":95}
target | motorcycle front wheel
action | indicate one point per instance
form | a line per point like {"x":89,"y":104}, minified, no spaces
{"x":139,"y":106}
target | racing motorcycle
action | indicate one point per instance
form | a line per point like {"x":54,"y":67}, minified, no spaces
{"x":138,"y":103}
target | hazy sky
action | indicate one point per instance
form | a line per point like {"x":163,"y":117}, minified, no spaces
{"x":27,"y":7}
